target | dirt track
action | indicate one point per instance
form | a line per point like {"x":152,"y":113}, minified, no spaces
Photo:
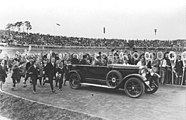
{"x":169,"y":103}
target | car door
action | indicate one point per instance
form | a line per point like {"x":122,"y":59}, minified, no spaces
{"x":84,"y":70}
{"x":97,"y":72}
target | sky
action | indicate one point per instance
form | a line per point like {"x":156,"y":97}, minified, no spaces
{"x":122,"y":19}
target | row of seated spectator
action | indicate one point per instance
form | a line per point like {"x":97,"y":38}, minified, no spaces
{"x":41,"y":39}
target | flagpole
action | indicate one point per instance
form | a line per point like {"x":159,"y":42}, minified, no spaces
{"x":104,"y":33}
{"x":59,"y":25}
{"x":155,"y":32}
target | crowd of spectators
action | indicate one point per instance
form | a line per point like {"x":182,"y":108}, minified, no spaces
{"x":24,"y":39}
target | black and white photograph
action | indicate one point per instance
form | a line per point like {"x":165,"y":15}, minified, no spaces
{"x":92,"y":59}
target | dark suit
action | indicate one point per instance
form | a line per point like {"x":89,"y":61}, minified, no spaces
{"x":131,"y":61}
{"x":3,"y":74}
{"x":28,"y":65}
{"x":179,"y":71}
{"x":33,"y":72}
{"x":16,"y":77}
{"x":168,"y":72}
{"x":84,"y":62}
{"x":74,"y":61}
{"x":179,"y":67}
{"x":50,"y":72}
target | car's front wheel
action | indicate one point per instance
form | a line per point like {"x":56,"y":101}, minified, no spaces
{"x":74,"y":80}
{"x":134,"y":87}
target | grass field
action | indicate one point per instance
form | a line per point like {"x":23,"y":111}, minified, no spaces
{"x":20,"y":109}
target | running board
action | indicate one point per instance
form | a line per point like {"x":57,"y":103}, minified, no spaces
{"x":96,"y":85}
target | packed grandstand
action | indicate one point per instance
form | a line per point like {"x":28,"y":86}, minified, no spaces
{"x":13,"y":38}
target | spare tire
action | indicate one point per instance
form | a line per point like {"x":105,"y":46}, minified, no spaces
{"x":113,"y":78}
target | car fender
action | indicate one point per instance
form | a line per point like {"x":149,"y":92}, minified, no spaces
{"x":142,"y":78}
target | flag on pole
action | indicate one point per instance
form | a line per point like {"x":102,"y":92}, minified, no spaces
{"x":155,"y":30}
{"x":103,"y":30}
{"x":58,"y":24}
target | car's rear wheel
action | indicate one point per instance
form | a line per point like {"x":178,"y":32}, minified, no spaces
{"x":74,"y":80}
{"x":113,"y":78}
{"x":134,"y":87}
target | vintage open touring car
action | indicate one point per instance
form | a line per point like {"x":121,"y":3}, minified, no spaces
{"x":135,"y":80}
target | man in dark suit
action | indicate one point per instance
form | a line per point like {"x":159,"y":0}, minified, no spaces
{"x":28,"y":65}
{"x":84,"y":61}
{"x":33,"y":73}
{"x":74,"y":60}
{"x":130,"y":60}
{"x":3,"y":73}
{"x":179,"y":70}
{"x":51,"y":71}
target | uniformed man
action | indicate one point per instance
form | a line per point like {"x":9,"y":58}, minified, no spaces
{"x":179,"y":70}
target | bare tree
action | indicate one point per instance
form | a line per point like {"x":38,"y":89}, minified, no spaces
{"x":28,"y":26}
{"x":18,"y":25}
{"x":9,"y":26}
